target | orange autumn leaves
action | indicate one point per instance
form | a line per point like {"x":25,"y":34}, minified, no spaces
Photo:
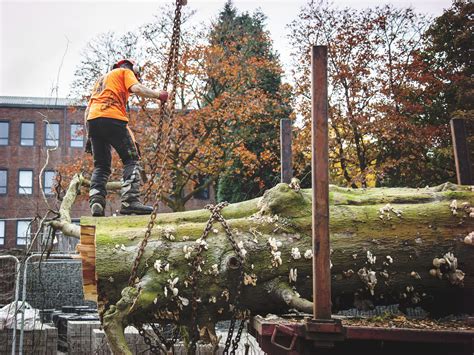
{"x":380,"y":93}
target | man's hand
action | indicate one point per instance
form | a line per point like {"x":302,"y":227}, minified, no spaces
{"x":163,"y":97}
{"x":88,"y":148}
{"x":143,"y":91}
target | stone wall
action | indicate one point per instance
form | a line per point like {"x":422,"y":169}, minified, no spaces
{"x":55,"y":283}
{"x":41,"y":341}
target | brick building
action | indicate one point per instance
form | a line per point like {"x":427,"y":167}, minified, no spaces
{"x":25,"y":138}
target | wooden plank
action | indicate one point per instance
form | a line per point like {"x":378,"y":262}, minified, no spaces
{"x":87,"y":250}
{"x":285,"y":151}
{"x":87,"y":239}
{"x":84,"y":249}
{"x":320,"y":184}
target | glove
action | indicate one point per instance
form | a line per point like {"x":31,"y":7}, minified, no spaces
{"x":163,"y":97}
{"x":88,"y":147}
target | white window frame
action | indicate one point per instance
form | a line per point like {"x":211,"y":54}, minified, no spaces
{"x":6,"y":182}
{"x":3,"y":228}
{"x":25,"y":190}
{"x":77,"y":141}
{"x":26,"y":141}
{"x":23,"y":231}
{"x":7,"y":136}
{"x":52,"y":128}
{"x":48,"y":190}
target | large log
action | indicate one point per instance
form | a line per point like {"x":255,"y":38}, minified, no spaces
{"x":388,"y":246}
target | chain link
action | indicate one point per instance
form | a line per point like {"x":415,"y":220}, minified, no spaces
{"x":165,"y":341}
{"x":216,"y":216}
{"x":164,"y":113}
{"x":167,"y":112}
{"x":155,"y":349}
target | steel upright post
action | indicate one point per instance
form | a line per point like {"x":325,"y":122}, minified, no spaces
{"x":320,"y":184}
{"x":464,"y":166}
{"x":285,"y":151}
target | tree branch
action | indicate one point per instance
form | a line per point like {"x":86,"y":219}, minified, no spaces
{"x":282,"y":292}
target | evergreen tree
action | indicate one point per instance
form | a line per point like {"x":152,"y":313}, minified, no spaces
{"x":246,"y":34}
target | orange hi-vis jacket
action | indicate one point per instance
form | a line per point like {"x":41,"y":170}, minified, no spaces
{"x":110,"y":95}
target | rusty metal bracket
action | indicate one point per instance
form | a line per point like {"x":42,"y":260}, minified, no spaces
{"x":324,"y":332}
{"x":287,"y":331}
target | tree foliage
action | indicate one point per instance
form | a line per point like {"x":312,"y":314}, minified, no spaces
{"x":97,"y":58}
{"x":256,"y":162}
{"x":381,"y":96}
{"x":450,"y":42}
{"x":229,"y":97}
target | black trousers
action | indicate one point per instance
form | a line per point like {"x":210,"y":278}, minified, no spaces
{"x":104,"y":134}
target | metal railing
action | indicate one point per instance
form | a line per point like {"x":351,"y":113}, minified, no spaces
{"x":23,"y":297}
{"x":16,"y":284}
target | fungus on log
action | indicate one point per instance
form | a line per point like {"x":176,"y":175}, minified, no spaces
{"x":395,"y":245}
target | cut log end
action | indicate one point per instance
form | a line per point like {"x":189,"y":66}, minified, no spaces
{"x":86,"y":248}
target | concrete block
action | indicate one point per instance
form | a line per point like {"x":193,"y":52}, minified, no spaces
{"x":79,"y":336}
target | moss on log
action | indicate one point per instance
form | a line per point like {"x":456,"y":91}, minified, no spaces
{"x":383,"y":241}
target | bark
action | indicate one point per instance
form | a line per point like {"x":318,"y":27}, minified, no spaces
{"x":392,"y":235}
{"x":63,"y":223}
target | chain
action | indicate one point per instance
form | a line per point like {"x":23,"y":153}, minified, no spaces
{"x":167,"y":342}
{"x":155,"y":349}
{"x":164,"y":113}
{"x":195,"y":265}
{"x":171,"y":68}
{"x":172,"y":64}
{"x":238,"y":291}
{"x":216,"y":216}
{"x":236,"y":341}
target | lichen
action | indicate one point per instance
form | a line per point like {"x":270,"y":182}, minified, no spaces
{"x":447,"y":267}
{"x":369,"y":278}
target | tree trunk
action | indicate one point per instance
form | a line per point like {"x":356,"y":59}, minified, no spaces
{"x":388,"y":246}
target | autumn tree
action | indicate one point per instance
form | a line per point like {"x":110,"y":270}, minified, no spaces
{"x":229,"y":118}
{"x":219,"y":124}
{"x":379,"y":94}
{"x":98,"y":56}
{"x":244,"y":36}
{"x":449,"y":48}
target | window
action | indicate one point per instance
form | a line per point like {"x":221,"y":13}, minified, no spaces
{"x":3,"y":181}
{"x":25,"y":182}
{"x":27,"y":133}
{"x":4,"y":132}
{"x":77,"y":137}
{"x":23,"y":231}
{"x":52,"y":135}
{"x":48,"y":181}
{"x":2,"y":232}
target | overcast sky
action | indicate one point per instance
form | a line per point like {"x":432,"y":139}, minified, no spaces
{"x":34,"y":35}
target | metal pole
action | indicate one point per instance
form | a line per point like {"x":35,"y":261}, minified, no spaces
{"x":23,"y":291}
{"x":320,"y":184}
{"x":17,"y":286}
{"x":285,"y":150}
{"x":464,"y":168}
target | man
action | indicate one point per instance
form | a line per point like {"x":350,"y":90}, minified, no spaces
{"x":107,"y":124}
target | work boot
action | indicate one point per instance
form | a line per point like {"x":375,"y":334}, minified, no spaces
{"x":97,"y":205}
{"x":135,"y":207}
{"x":130,"y":195}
